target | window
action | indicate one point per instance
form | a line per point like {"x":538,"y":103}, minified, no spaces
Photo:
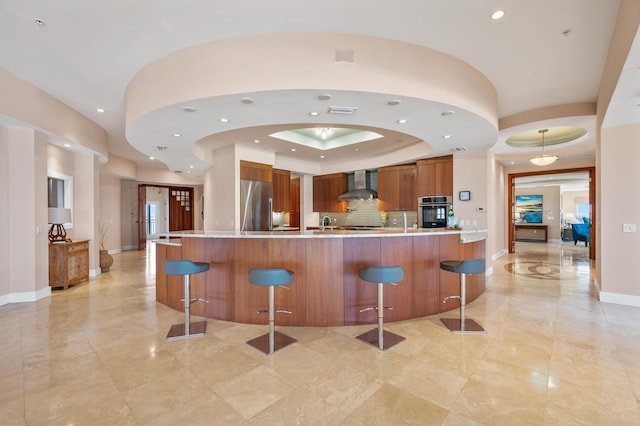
{"x":582,"y":210}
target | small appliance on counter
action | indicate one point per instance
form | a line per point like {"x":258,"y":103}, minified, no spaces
{"x":433,"y":210}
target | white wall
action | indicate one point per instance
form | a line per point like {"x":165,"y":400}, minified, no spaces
{"x":110,"y":212}
{"x":620,"y":204}
{"x":23,"y":193}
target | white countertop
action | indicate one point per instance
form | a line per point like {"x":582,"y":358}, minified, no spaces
{"x":466,"y":235}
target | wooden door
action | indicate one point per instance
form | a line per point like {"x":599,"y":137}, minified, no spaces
{"x":142,"y":217}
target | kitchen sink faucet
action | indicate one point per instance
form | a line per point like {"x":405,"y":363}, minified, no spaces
{"x":322,"y":222}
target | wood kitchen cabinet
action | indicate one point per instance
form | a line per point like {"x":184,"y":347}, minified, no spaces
{"x":255,"y":171}
{"x":294,"y":202}
{"x":397,"y":190}
{"x":435,"y":176}
{"x":281,"y":190}
{"x":68,"y":263}
{"x":326,"y":189}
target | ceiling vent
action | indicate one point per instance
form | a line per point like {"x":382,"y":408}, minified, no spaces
{"x":161,"y":147}
{"x":459,"y":149}
{"x":342,"y":110}
{"x":345,"y":56}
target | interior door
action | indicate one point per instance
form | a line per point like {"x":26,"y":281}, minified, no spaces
{"x":142,"y":217}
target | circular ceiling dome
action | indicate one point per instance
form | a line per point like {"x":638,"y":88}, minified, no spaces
{"x":555,"y":136}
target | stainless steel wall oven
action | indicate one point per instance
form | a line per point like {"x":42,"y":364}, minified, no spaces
{"x":433,"y":211}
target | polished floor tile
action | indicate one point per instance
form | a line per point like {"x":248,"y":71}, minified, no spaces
{"x":96,"y":354}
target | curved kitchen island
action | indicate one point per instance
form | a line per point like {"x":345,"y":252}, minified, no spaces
{"x":326,"y":290}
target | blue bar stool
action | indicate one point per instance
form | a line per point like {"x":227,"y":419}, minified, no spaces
{"x":273,"y":340}
{"x":186,"y":268}
{"x":463,"y":267}
{"x":381,"y":275}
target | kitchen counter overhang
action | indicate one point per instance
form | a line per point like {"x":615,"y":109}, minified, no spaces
{"x":326,"y":290}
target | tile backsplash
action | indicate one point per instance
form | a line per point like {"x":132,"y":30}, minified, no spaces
{"x":365,"y":213}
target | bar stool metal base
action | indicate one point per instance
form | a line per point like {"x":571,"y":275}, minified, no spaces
{"x":280,"y":341}
{"x":389,"y":339}
{"x":469,"y":326}
{"x":195,"y":329}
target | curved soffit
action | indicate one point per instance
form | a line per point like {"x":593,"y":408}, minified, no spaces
{"x":284,"y":75}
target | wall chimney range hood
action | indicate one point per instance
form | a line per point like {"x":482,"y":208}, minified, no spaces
{"x":360,"y":190}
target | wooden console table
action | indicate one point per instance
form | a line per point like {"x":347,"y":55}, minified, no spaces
{"x":68,"y":263}
{"x":530,"y":232}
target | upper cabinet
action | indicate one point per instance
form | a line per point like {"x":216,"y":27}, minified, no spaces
{"x":326,"y":189}
{"x":397,"y":190}
{"x":435,"y":176}
{"x":281,"y":190}
{"x":255,"y":171}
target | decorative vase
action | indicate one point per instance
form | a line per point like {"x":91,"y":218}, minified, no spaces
{"x":106,"y":260}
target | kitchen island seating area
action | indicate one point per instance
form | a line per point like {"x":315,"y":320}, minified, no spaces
{"x":463,"y":267}
{"x":186,"y":268}
{"x":271,"y":278}
{"x":381,"y":276}
{"x":327,"y":289}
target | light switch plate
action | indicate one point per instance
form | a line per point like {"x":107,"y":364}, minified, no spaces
{"x":628,"y":227}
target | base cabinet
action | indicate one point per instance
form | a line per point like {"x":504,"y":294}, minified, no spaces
{"x":68,"y":263}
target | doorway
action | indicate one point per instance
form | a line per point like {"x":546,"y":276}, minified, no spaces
{"x":562,"y":220}
{"x":163,"y":209}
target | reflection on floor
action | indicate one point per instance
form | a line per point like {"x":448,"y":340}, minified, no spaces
{"x":96,"y":354}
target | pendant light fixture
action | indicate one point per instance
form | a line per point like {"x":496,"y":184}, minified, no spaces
{"x":543,"y":159}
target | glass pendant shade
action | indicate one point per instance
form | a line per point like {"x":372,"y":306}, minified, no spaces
{"x":543,"y":159}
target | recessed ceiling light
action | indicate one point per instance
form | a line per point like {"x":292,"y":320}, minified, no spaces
{"x":402,"y":121}
{"x":447,"y":136}
{"x":324,"y":97}
{"x":256,"y":140}
{"x":247,"y":101}
{"x":322,"y":156}
{"x":314,"y":113}
{"x":394,"y":102}
{"x":67,"y":145}
{"x":224,"y":120}
{"x":40,"y":22}
{"x":100,"y":109}
{"x":447,"y":113}
{"x":191,"y":166}
{"x":176,"y":135}
{"x":498,"y":14}
{"x":188,"y":109}
{"x":293,"y":149}
{"x":152,"y":158}
{"x":356,"y":150}
{"x":188,"y":172}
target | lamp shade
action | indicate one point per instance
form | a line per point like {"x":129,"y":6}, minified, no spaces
{"x":544,"y":160}
{"x":59,"y":215}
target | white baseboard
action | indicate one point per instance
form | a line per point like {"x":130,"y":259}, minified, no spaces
{"x":125,"y":248}
{"x":94,"y":272}
{"x":620,"y":299}
{"x":27,"y":296}
{"x":499,"y":254}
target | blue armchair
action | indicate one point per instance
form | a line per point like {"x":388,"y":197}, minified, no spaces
{"x":580,"y":233}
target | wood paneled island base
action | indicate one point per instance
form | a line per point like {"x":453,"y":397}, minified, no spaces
{"x":327,"y":290}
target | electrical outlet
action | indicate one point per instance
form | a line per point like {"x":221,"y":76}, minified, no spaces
{"x":628,"y":227}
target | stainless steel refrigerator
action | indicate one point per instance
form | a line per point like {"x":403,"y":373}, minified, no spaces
{"x":256,"y":205}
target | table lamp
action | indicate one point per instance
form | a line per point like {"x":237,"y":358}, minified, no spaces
{"x":57,"y":218}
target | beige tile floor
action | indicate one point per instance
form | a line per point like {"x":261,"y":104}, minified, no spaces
{"x":95,"y":354}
